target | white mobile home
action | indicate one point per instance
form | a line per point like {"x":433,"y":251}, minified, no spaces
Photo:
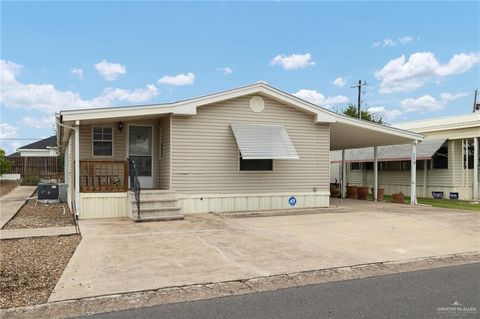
{"x":249,"y":148}
{"x":447,"y":159}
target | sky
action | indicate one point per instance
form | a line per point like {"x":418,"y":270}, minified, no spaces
{"x":419,"y":59}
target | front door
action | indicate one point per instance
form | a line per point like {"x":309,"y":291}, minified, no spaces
{"x":140,"y":150}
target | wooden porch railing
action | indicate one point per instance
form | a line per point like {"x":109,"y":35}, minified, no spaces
{"x":103,"y":176}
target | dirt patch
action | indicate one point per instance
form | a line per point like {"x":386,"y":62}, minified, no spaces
{"x":7,"y":186}
{"x":31,"y":267}
{"x":37,"y":215}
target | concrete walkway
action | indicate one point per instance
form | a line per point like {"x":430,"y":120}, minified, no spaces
{"x":36,"y":232}
{"x":13,"y":201}
{"x":119,"y":256}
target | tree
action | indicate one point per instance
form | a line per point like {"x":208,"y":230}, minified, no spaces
{"x":4,"y":163}
{"x":352,"y":110}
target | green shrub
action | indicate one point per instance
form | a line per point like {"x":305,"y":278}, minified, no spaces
{"x":30,"y":180}
{"x":4,"y":163}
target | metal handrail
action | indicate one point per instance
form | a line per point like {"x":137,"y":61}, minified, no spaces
{"x":135,"y":184}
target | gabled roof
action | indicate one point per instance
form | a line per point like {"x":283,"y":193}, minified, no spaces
{"x":345,"y":131}
{"x":42,"y":144}
{"x":189,"y":106}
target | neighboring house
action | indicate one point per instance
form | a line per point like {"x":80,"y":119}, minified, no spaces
{"x":45,"y":147}
{"x":448,"y":153}
{"x":249,"y":148}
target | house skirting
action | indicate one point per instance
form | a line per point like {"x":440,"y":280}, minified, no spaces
{"x":191,"y":204}
{"x":103,"y":205}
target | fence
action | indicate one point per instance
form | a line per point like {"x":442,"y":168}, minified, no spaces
{"x":35,"y":166}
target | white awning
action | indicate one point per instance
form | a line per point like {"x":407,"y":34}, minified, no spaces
{"x":260,"y":141}
{"x":425,"y":150}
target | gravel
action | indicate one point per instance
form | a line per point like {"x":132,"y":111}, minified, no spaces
{"x":36,"y":215}
{"x":7,"y":186}
{"x":31,"y":267}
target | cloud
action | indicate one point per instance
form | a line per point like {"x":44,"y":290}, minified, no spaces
{"x":392,"y":43}
{"x":452,"y":97}
{"x":405,"y":39}
{"x":294,"y":61}
{"x":385,"y":113}
{"x":422,"y":104}
{"x":320,"y":99}
{"x":226,"y":70}
{"x":400,"y":75}
{"x":8,"y":131}
{"x":38,"y":122}
{"x":180,"y":79}
{"x":47,"y":99}
{"x":340,"y":81}
{"x":110,"y":71}
{"x":78,"y":72}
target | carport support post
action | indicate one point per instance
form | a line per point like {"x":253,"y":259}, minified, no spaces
{"x":413,"y":177}
{"x":77,"y":167}
{"x":375,"y":173}
{"x":475,"y":168}
{"x":344,"y":175}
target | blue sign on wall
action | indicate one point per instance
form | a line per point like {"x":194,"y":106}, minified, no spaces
{"x":292,"y":201}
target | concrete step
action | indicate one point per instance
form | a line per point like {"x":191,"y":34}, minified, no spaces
{"x":154,"y":203}
{"x":158,"y":218}
{"x":146,"y":195}
{"x":155,"y":210}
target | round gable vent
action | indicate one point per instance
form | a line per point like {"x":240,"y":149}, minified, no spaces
{"x":257,"y":104}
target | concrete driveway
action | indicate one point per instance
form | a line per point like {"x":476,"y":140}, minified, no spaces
{"x":117,"y":256}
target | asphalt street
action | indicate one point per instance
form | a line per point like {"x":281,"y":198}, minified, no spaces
{"x":419,"y":294}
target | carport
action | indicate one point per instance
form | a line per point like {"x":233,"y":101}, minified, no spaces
{"x":350,"y":133}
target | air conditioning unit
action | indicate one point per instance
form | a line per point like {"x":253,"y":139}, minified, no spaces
{"x":48,"y":192}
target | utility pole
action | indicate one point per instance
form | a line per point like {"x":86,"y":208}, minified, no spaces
{"x":359,"y":86}
{"x":476,"y":106}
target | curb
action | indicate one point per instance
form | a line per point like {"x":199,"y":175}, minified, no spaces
{"x":139,"y":299}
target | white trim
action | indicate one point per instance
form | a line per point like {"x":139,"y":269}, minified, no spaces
{"x":113,"y":140}
{"x":170,"y":183}
{"x":189,"y":107}
{"x":475,"y":168}
{"x":153,"y":170}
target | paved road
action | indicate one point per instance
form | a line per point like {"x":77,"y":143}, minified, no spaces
{"x":406,"y":295}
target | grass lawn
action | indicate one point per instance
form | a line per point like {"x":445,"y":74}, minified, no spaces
{"x":444,"y":203}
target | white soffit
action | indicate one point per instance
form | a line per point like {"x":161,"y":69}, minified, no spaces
{"x":258,"y":141}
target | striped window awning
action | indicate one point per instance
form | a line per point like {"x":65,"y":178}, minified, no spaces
{"x":261,"y":141}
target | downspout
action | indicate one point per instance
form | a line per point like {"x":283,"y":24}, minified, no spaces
{"x":77,"y":163}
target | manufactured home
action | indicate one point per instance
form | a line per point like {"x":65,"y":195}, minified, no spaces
{"x":447,"y":159}
{"x":249,"y":148}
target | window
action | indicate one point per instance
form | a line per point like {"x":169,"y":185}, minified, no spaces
{"x":469,"y":153}
{"x":354,"y":166}
{"x":102,"y":141}
{"x":440,"y":158}
{"x":256,"y":164}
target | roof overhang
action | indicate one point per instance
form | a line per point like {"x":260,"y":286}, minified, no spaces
{"x":189,"y":107}
{"x":345,"y":132}
{"x":425,"y":150}
{"x":348,"y":133}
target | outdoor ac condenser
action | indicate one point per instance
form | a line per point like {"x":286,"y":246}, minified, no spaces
{"x":47,"y":192}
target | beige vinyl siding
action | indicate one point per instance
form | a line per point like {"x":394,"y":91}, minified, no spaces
{"x":163,"y":162}
{"x":205,"y":153}
{"x":119,"y":142}
{"x":452,"y":179}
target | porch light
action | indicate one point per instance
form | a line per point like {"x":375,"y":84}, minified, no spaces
{"x":120,"y":126}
